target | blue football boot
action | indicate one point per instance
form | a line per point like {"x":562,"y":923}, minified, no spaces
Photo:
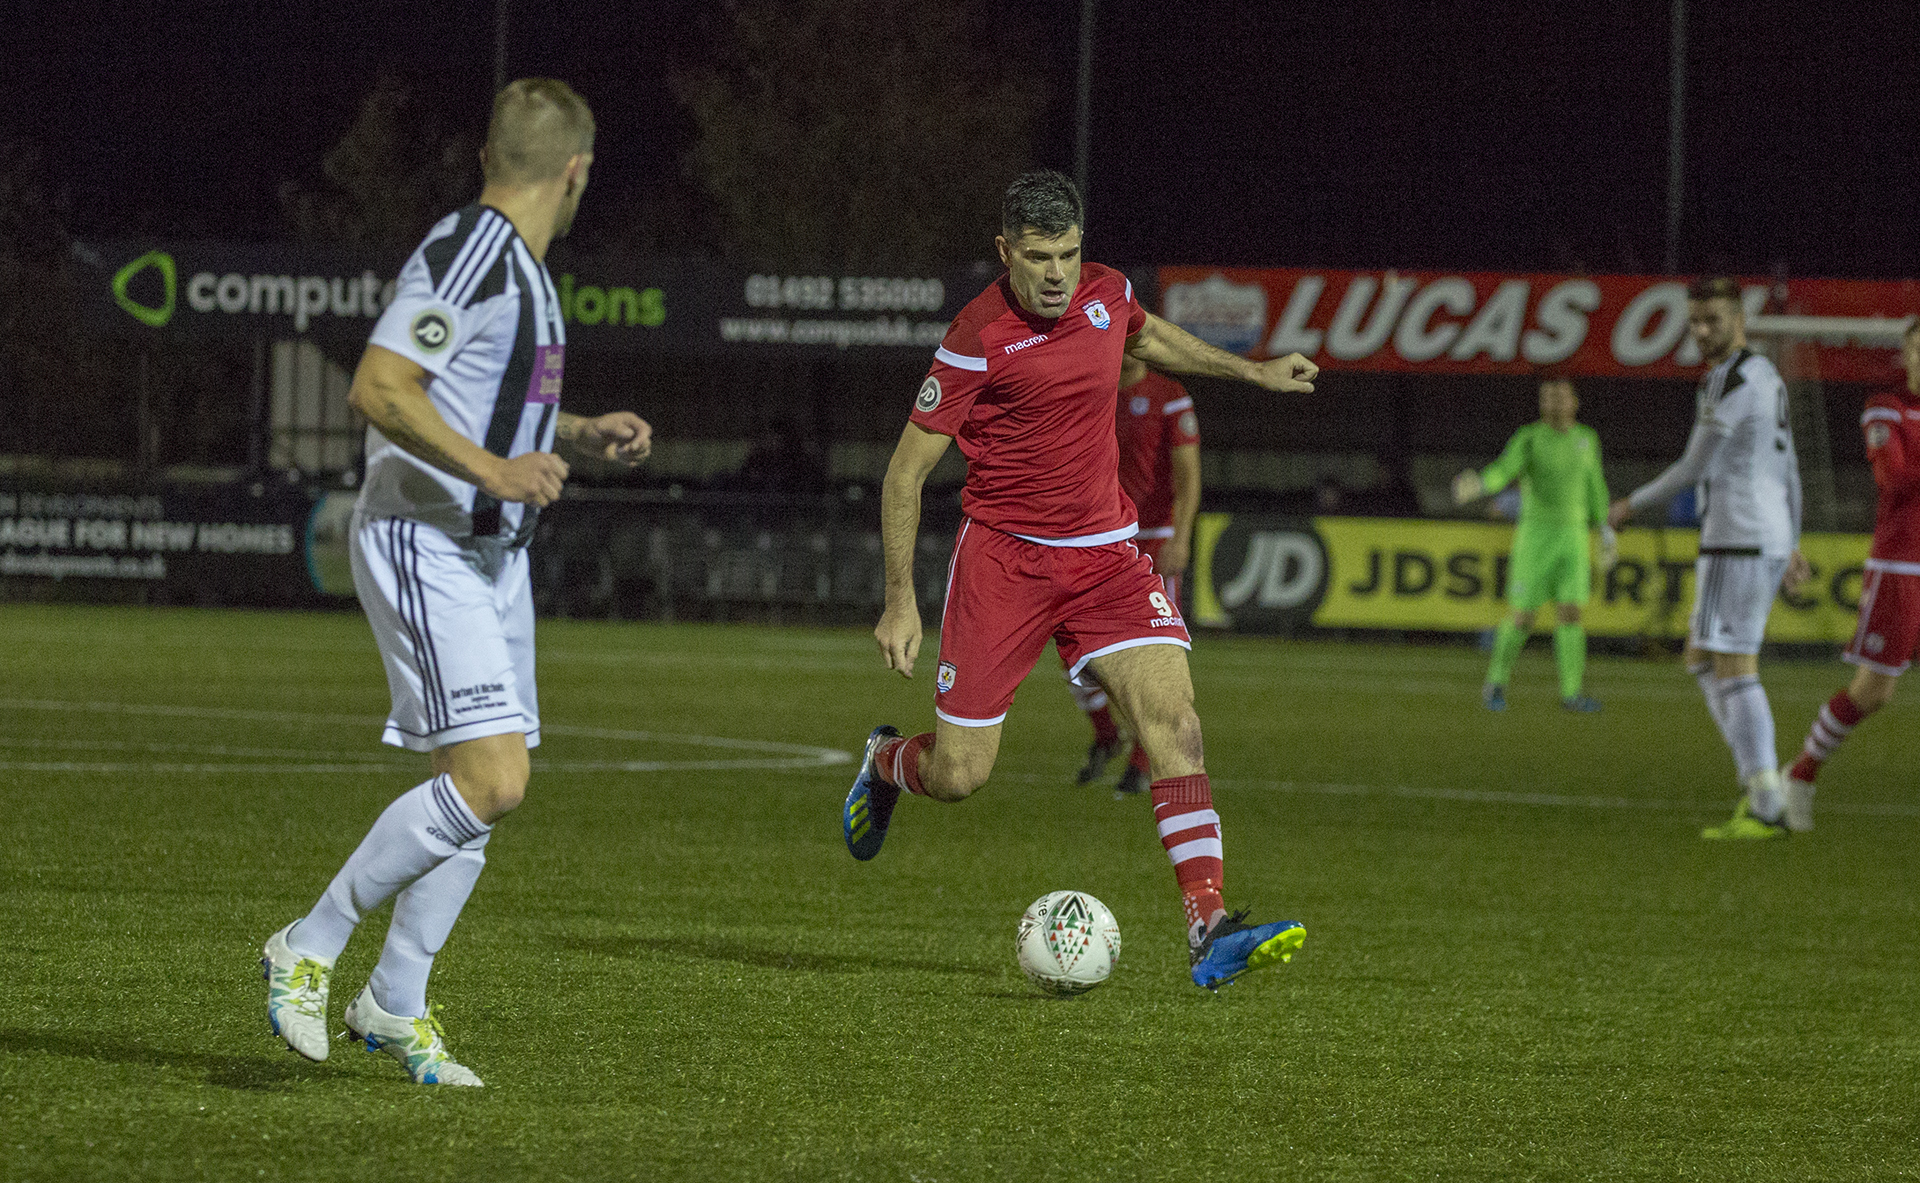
{"x":1232,"y":947}
{"x":1581,"y":704}
{"x":869,"y":807}
{"x":1493,"y":697}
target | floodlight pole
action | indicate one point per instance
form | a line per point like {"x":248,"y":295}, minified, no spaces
{"x":1676,"y":132}
{"x":499,"y":46}
{"x":1083,"y":105}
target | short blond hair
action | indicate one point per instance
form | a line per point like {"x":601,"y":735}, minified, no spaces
{"x":539,"y":124}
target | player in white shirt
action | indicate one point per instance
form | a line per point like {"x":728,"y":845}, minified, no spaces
{"x":1741,"y":458}
{"x":461,"y":387}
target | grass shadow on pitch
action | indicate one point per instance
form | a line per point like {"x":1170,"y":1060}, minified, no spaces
{"x":247,"y":1073}
{"x":762,"y":957}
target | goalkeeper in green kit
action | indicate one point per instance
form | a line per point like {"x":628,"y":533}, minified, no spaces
{"x":1562,"y":496}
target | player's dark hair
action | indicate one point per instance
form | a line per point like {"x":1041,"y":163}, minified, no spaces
{"x":538,"y":125}
{"x":1717,"y":287}
{"x":1045,"y":200}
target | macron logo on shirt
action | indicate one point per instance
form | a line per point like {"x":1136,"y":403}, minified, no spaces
{"x":1017,"y":346}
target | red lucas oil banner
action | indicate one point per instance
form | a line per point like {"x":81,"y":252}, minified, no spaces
{"x":1491,"y":323}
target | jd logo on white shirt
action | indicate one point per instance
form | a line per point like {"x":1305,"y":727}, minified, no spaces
{"x":431,"y":331}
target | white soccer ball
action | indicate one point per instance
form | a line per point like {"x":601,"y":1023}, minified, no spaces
{"x":1068,"y":942}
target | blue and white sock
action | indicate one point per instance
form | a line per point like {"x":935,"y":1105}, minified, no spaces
{"x":422,"y":829}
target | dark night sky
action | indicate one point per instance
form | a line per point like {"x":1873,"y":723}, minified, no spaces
{"x":1412,"y":134}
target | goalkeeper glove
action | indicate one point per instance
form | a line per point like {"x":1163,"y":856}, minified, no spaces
{"x":1609,"y":548}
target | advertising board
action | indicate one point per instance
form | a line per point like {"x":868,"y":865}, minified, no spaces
{"x":1288,"y":575}
{"x":225,"y":544}
{"x":616,"y":304}
{"x":1433,"y":322}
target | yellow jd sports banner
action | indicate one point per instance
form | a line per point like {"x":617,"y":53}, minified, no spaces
{"x":1277,"y":575}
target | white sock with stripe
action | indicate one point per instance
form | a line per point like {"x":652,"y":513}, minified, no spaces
{"x":423,"y":828}
{"x":423,"y":915}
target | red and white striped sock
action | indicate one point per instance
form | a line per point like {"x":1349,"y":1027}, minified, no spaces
{"x":898,"y":762}
{"x":1190,"y":831}
{"x":1834,"y":723}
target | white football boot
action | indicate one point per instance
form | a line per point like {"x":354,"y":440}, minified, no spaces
{"x":1798,"y":797}
{"x":296,"y":995}
{"x":419,"y":1044}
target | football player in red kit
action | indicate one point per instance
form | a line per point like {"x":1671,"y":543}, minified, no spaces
{"x":1025,"y":381}
{"x":1889,"y":633}
{"x":1159,"y":438}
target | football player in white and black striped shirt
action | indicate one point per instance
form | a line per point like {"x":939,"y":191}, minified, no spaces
{"x":461,"y":387}
{"x":1741,"y":459}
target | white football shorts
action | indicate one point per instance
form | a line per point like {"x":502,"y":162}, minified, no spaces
{"x":1732,"y":595}
{"x":454,"y":622}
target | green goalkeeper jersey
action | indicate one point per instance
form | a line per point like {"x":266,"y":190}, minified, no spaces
{"x":1559,"y":473}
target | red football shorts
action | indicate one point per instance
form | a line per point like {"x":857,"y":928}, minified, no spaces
{"x":1006,"y":596}
{"x":1889,"y":628}
{"x":1151,"y":547}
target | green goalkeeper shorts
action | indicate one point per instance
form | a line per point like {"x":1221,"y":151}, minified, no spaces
{"x":1549,"y":566}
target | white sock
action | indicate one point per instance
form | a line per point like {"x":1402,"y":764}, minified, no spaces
{"x":1710,"y":690}
{"x":1749,"y":725}
{"x":421,"y":829}
{"x":422,"y":918}
{"x":1088,"y":698}
{"x":1764,"y":797}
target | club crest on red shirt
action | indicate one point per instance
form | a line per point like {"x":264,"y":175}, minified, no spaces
{"x":1097,"y":313}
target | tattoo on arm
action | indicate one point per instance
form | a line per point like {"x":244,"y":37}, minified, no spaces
{"x":411,"y":423}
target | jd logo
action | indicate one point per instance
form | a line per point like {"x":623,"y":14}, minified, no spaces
{"x":929,"y":396}
{"x":1283,"y":569}
{"x":149,"y":315}
{"x":432,"y":331}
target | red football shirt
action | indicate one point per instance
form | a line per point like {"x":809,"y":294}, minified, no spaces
{"x":1891,"y":423}
{"x":1030,"y":402}
{"x":1155,"y":416}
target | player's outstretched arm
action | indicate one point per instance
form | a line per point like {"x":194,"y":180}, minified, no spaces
{"x":898,"y":632}
{"x":621,"y":437}
{"x":1167,"y":346}
{"x":1682,"y":473}
{"x":1475,"y":483}
{"x":391,"y":391}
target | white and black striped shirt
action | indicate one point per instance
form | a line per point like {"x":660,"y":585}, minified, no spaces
{"x":476,"y":310}
{"x":1750,"y":491}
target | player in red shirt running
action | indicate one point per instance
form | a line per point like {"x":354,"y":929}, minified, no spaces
{"x":1025,"y":380}
{"x":1889,"y":633}
{"x":1159,"y":439}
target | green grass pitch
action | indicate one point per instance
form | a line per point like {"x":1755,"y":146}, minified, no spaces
{"x":1522,"y":961}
